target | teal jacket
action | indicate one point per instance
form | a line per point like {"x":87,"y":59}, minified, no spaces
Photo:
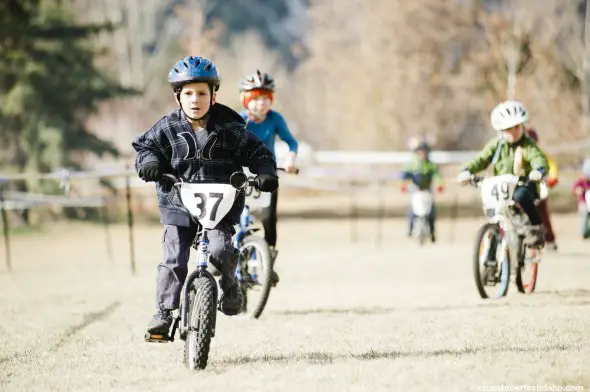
{"x":422,"y":173}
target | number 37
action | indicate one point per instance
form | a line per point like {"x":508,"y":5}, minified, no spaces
{"x":501,"y":191}
{"x":202,"y":200}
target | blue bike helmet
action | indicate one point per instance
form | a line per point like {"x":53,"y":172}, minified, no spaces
{"x":194,"y":69}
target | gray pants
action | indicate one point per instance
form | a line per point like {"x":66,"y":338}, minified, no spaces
{"x":584,"y":220}
{"x":176,"y":243}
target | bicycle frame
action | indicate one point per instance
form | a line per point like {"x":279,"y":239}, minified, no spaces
{"x":512,"y":224}
{"x":245,"y":228}
{"x":203,"y":256}
{"x":246,"y":225}
{"x":202,"y":259}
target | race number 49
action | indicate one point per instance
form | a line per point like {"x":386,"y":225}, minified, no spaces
{"x":501,"y":191}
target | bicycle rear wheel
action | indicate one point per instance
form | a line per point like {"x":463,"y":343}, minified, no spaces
{"x":526,"y":273}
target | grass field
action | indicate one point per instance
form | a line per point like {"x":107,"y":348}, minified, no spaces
{"x":346,"y":316}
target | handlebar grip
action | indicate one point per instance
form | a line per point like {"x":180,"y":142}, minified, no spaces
{"x":283,"y":170}
{"x":171,"y":177}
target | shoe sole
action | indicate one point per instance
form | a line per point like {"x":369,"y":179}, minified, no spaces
{"x":161,"y":331}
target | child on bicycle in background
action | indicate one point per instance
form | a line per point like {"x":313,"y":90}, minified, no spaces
{"x":508,"y":119}
{"x":422,"y":172}
{"x":256,"y":95}
{"x":543,"y":206}
{"x":201,"y":141}
{"x":581,"y":187}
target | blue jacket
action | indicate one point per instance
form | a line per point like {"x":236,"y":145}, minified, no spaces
{"x":274,"y":124}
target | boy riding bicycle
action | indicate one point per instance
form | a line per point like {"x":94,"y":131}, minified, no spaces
{"x":508,"y":119}
{"x":201,"y":141}
{"x":257,"y":95}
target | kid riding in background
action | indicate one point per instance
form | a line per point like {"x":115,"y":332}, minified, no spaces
{"x":422,"y":172}
{"x":581,"y":187}
{"x":508,"y":119}
{"x":201,"y":141}
{"x":543,"y":206}
{"x":257,"y":95}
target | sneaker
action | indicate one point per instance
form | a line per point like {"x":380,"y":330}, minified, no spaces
{"x":551,"y":245}
{"x":161,"y":322}
{"x":535,"y":237}
{"x":433,"y":237}
{"x":231,"y":300}
{"x":273,"y":254}
{"x":274,"y":277}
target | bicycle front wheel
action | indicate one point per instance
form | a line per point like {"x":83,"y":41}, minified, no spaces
{"x":200,"y":323}
{"x":491,"y":262}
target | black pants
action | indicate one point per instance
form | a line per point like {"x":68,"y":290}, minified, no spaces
{"x":268,"y":216}
{"x":525,"y":197}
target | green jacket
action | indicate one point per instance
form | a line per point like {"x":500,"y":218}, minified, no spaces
{"x":533,"y":157}
{"x":421,"y":173}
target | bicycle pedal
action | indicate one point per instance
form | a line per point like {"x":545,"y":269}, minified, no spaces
{"x":156,"y":338}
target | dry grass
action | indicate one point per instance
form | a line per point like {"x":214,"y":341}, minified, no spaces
{"x":346,"y":316}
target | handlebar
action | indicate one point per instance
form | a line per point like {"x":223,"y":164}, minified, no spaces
{"x":283,"y":170}
{"x":238,"y":180}
{"x":476,"y":180}
{"x":171,"y":177}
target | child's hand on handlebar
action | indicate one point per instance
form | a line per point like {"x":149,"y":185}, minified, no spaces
{"x":535,"y":175}
{"x":464,"y":177}
{"x":151,"y":171}
{"x":289,"y":163}
{"x":267,"y":182}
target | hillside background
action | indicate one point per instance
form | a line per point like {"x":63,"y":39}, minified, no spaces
{"x":351,"y":74}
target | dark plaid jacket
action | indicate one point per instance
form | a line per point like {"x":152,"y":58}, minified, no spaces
{"x":229,"y":147}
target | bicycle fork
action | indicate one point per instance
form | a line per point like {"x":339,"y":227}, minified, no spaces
{"x":181,"y":320}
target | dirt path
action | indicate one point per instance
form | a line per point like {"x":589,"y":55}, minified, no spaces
{"x":347,"y":316}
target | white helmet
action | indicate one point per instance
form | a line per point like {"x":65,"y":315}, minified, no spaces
{"x":508,"y":114}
